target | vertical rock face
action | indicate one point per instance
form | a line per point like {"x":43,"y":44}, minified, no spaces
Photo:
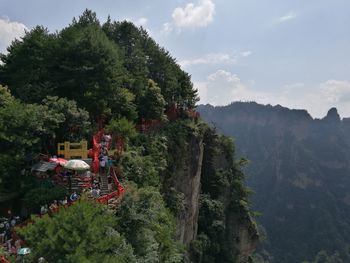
{"x":188,"y":183}
{"x":211,"y":223}
{"x":242,"y":235}
{"x":240,"y":230}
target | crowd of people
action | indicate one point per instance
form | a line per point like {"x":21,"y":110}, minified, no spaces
{"x":7,"y":239}
{"x":57,"y":204}
{"x":103,"y":158}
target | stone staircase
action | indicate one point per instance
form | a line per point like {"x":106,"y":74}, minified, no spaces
{"x":74,"y":185}
{"x":104,"y":183}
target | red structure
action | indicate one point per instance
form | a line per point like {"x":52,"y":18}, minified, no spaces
{"x":172,"y":112}
{"x":119,"y":146}
{"x":4,"y":260}
{"x":96,"y":139}
{"x":146,"y":125}
{"x":175,"y":112}
{"x":115,"y":194}
{"x":95,"y":167}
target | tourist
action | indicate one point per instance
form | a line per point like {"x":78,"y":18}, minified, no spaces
{"x":109,"y":183}
{"x":105,"y":159}
{"x":7,"y":231}
{"x":65,"y":202}
{"x":43,"y":210}
{"x":13,"y":222}
{"x":53,"y":207}
{"x":102,"y":165}
{"x":9,"y":245}
{"x":2,"y":233}
{"x":74,"y":197}
{"x":18,"y":244}
{"x":94,"y":193}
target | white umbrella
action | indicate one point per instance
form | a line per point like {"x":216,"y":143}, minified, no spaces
{"x":23,"y":251}
{"x":77,"y":165}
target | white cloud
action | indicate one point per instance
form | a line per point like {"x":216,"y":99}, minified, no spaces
{"x":289,"y":16}
{"x":192,"y":15}
{"x":214,"y":58}
{"x":142,"y":21}
{"x":223,"y":87}
{"x":293,"y":86}
{"x":167,"y":28}
{"x":246,"y":53}
{"x":318,"y":100}
{"x":9,"y":30}
{"x":336,"y":91}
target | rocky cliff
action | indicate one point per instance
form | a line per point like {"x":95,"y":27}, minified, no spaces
{"x":299,"y":171}
{"x":213,"y":217}
{"x":187,"y":182}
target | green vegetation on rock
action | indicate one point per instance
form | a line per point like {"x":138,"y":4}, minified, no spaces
{"x":84,"y":232}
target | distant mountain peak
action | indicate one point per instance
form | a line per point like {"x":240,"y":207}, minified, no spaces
{"x":332,"y":115}
{"x":299,"y":171}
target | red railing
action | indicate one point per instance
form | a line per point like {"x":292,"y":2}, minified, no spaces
{"x":4,"y":260}
{"x":116,"y":194}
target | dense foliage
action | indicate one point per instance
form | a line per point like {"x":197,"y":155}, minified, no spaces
{"x":148,"y":226}
{"x":105,"y":68}
{"x":84,"y":232}
{"x":39,"y":193}
{"x":26,"y":129}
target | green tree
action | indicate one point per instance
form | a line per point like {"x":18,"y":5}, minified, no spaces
{"x":144,"y":162}
{"x":145,"y":59}
{"x":323,"y":257}
{"x":89,"y":69}
{"x":28,"y":65}
{"x":131,"y":41}
{"x":121,"y":127}
{"x":148,"y":226}
{"x":79,"y":63}
{"x":39,"y":193}
{"x":141,"y":169}
{"x":84,"y":232}
{"x":151,"y":103}
{"x":76,"y":120}
{"x":23,"y":129}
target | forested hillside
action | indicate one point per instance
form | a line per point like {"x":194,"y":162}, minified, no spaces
{"x":299,"y":171}
{"x":184,"y":200}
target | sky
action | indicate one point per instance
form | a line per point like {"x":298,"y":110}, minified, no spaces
{"x":295,"y":53}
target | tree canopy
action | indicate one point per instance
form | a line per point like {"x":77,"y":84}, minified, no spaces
{"x":148,"y":226}
{"x":104,"y":68}
{"x":23,"y":128}
{"x":84,"y":232}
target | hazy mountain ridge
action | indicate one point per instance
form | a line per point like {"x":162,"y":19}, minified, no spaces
{"x":300,"y":172}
